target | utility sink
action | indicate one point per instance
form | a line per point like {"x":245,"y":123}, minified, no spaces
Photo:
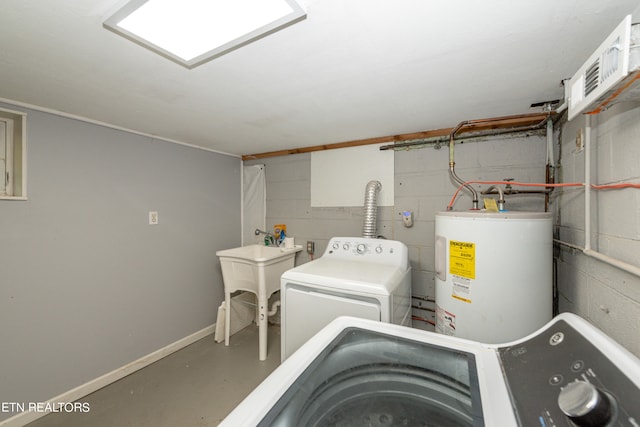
{"x":259,"y":253}
{"x":257,"y":269}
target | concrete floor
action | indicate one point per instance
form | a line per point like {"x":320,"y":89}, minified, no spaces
{"x":196,"y":386}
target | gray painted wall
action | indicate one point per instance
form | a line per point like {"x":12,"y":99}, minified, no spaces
{"x":87,"y":285}
{"x":607,"y":296}
{"x":422,"y":185}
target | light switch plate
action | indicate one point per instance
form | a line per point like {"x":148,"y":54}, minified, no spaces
{"x":153,"y":218}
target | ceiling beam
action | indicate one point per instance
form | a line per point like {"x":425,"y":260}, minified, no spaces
{"x":469,"y":126}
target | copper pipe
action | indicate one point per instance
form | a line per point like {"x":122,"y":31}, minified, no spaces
{"x":452,"y":172}
{"x":452,"y":167}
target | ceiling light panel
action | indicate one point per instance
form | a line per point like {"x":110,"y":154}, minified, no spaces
{"x":191,"y":32}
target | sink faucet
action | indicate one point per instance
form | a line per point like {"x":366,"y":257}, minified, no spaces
{"x":267,"y":236}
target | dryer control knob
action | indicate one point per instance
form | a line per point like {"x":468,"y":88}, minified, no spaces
{"x":379,"y":249}
{"x":345,"y":246}
{"x":336,"y":246}
{"x":584,"y":404}
{"x":361,"y":248}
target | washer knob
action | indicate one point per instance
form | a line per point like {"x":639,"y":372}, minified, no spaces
{"x":361,"y":248}
{"x":336,"y":246}
{"x":345,"y":246}
{"x":584,"y":404}
{"x":379,"y":249}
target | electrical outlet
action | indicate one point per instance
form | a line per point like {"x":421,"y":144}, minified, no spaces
{"x":153,"y":218}
{"x":310,"y":247}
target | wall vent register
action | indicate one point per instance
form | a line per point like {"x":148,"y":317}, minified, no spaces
{"x":611,"y":74}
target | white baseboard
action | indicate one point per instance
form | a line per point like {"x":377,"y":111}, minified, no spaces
{"x":79,"y":392}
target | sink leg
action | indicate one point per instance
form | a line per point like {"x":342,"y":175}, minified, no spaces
{"x":227,"y":317}
{"x":263,"y":304}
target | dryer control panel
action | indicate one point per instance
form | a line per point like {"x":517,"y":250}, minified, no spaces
{"x":560,"y":377}
{"x":382,"y":251}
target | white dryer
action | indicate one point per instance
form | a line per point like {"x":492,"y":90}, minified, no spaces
{"x":356,"y":276}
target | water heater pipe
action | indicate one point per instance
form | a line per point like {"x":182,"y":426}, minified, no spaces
{"x":549,"y":169}
{"x":501,"y":200}
{"x":466,"y":123}
{"x":371,"y":209}
{"x":452,"y":165}
{"x":550,"y":159}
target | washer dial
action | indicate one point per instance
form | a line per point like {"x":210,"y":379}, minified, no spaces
{"x":584,"y":404}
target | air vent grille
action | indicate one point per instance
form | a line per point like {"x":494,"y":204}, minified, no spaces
{"x":592,"y":78}
{"x":610,"y":60}
{"x":600,"y":78}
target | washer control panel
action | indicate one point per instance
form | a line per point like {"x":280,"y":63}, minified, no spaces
{"x":560,"y":378}
{"x":373,"y":250}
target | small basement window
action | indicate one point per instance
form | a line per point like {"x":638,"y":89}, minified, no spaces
{"x":13,"y":155}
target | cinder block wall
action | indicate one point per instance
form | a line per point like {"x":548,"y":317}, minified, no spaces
{"x":601,"y":293}
{"x":422,"y":185}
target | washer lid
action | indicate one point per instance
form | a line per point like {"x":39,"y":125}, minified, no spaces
{"x":369,"y":378}
{"x":357,"y":276}
{"x":430,"y":352}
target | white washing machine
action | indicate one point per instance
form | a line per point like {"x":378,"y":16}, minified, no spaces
{"x":356,"y":276}
{"x":358,"y":372}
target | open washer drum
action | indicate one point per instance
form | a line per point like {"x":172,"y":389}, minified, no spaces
{"x":358,"y":372}
{"x":356,"y":276}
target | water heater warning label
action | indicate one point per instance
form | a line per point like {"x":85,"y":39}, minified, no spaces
{"x":461,"y":289}
{"x":445,"y":321}
{"x":462,"y":259}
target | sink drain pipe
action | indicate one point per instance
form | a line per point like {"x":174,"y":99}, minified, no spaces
{"x":371,"y":209}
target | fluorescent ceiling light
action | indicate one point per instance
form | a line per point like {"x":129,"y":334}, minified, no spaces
{"x":191,"y":32}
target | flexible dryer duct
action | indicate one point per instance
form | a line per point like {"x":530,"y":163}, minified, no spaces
{"x":371,"y":209}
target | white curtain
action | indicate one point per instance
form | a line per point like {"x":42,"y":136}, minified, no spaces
{"x":254,"y":202}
